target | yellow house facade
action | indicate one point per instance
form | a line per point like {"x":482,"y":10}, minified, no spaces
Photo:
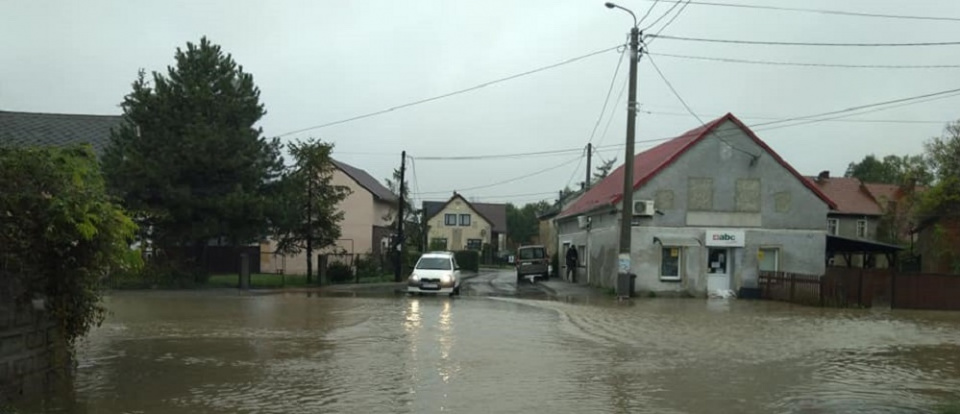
{"x":365,"y":229}
{"x":458,"y":224}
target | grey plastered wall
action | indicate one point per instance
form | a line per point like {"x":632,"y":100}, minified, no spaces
{"x":760,"y":196}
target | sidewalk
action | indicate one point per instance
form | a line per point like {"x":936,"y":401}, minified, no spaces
{"x":563,"y":289}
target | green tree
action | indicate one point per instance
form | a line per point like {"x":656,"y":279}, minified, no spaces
{"x":190,"y":160}
{"x":413,"y":223}
{"x":603,"y":170}
{"x":892,"y":169}
{"x":61,"y":234}
{"x":308,"y":217}
{"x":522,"y":222}
{"x":942,"y":199}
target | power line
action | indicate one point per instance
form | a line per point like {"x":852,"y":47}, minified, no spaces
{"x":949,"y":92}
{"x":517,"y":195}
{"x":771,"y":43}
{"x":563,"y":164}
{"x":812,"y":119}
{"x":623,"y":88}
{"x":499,"y":156}
{"x":675,"y":4}
{"x":645,"y":15}
{"x":606,"y":100}
{"x":576,"y":169}
{"x":818,"y":11}
{"x":804,"y":64}
{"x":454,"y":93}
{"x":684,"y":102}
{"x":890,"y":121}
{"x":669,"y":22}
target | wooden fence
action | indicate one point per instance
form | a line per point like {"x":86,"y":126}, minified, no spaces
{"x":852,"y":287}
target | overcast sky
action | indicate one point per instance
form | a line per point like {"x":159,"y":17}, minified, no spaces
{"x":322,"y":61}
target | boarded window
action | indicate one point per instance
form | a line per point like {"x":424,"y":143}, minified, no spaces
{"x":748,"y":194}
{"x":782,"y":201}
{"x":700,"y":194}
{"x":664,"y":200}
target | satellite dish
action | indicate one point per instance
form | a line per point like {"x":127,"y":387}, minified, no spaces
{"x":483,"y":233}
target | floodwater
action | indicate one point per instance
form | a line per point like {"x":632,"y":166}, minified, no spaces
{"x":202,"y":352}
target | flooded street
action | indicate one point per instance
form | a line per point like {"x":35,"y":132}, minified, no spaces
{"x":180,"y":352}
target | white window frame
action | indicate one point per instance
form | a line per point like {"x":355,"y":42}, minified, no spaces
{"x":836,"y":226}
{"x":777,"y":263}
{"x":679,"y":275}
{"x":865,"y":228}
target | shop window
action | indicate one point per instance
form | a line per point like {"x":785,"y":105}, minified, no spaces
{"x":670,"y":260}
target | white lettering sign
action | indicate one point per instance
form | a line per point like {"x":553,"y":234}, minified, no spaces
{"x":725,"y":238}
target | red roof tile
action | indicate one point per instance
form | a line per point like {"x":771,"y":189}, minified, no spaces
{"x":649,"y":163}
{"x":883,"y":192}
{"x":849,"y":194}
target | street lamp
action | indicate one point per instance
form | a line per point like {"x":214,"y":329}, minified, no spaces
{"x":626,"y":213}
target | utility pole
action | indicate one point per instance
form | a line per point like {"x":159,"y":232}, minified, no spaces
{"x":398,"y":249}
{"x":310,"y":230}
{"x":626,"y":216}
{"x":589,"y":158}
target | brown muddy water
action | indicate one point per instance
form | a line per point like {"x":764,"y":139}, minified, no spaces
{"x":202,"y":352}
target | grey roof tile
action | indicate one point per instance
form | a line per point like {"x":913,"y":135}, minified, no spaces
{"x":366,"y":181}
{"x":43,"y":129}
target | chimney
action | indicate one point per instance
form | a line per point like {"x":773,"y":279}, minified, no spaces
{"x":824,"y":175}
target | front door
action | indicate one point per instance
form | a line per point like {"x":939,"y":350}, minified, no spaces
{"x":457,"y":240}
{"x":718,"y":270}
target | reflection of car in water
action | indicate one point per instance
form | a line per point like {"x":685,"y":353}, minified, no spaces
{"x":435,"y":272}
{"x":532,"y":260}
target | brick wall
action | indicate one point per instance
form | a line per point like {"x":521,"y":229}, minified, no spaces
{"x":27,"y":345}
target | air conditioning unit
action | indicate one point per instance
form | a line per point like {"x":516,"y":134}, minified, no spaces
{"x":583,"y":222}
{"x":643,"y":208}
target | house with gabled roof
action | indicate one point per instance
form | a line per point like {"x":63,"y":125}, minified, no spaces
{"x":458,"y":224}
{"x":712,"y":208}
{"x":858,"y":216}
{"x":48,"y":129}
{"x":368,"y":213}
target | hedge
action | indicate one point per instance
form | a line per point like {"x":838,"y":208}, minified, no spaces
{"x":468,"y":260}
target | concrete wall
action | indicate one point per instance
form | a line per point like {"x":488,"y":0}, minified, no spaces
{"x":28,"y":344}
{"x":458,"y":235}
{"x":361,"y":213}
{"x":713,"y":186}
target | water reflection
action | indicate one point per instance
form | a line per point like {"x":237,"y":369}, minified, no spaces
{"x":172,"y":353}
{"x":446,"y":338}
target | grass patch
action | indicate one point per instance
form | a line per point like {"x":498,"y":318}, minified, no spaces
{"x":953,"y":408}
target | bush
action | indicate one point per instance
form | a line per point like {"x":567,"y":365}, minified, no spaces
{"x":339,"y":272}
{"x":412,"y":258}
{"x":369,"y":268}
{"x":468,"y":260}
{"x":68,"y":235}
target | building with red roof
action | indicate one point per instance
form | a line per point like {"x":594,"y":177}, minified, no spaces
{"x":712,"y":208}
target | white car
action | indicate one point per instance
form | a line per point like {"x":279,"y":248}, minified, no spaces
{"x":435,"y":272}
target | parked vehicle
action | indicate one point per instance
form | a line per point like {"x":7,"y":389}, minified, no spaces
{"x":435,"y":272}
{"x":532,"y":260}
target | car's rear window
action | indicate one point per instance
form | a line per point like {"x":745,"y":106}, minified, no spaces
{"x":536,"y":253}
{"x":434,"y":263}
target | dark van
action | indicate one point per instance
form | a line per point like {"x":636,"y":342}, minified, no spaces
{"x":532,"y":260}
